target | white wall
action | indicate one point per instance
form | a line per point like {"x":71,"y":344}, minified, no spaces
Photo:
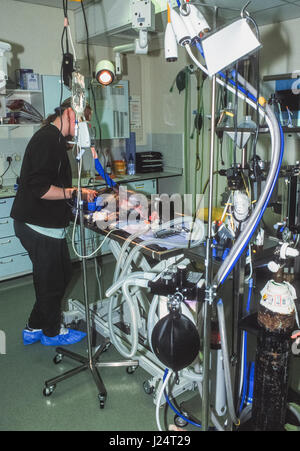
{"x":34,"y":32}
{"x":280,"y":53}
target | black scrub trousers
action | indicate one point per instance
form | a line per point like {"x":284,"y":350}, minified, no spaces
{"x":45,"y":163}
{"x":52,"y":271}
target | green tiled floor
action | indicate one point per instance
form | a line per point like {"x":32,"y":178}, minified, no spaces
{"x":74,"y":405}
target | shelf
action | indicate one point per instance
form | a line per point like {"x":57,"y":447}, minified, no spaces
{"x":24,"y":91}
{"x":290,"y":76}
{"x":14,"y":126}
{"x":261,"y":130}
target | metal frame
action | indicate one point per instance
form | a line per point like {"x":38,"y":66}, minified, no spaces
{"x":91,"y":361}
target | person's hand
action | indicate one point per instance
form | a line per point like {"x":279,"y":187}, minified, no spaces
{"x":88,"y":194}
{"x":71,"y":118}
{"x":94,"y":153}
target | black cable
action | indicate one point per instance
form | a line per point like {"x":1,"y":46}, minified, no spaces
{"x":90,"y":73}
{"x":65,"y":8}
{"x":90,"y":83}
{"x":235,"y":118}
{"x":9,"y":163}
{"x":225,"y":91}
{"x":256,"y":77}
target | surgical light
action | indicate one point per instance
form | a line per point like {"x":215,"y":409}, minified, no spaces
{"x":182,"y":34}
{"x":194,"y":21}
{"x":105,"y":72}
{"x":171,"y":50}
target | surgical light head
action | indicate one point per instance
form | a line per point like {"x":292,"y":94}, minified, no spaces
{"x":171,"y":50}
{"x":194,"y":21}
{"x":105,"y":72}
{"x":182,"y":34}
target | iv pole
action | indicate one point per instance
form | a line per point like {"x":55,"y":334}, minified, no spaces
{"x":91,"y":361}
{"x":209,"y":295}
{"x":209,"y":290}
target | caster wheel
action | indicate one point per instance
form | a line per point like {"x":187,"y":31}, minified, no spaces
{"x":107,"y":346}
{"x":180,"y":422}
{"x":49,"y":390}
{"x":102,"y":400}
{"x":149,"y":389}
{"x":131,"y":369}
{"x":57,"y":359}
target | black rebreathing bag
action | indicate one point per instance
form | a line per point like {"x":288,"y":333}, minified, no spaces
{"x":175,"y":341}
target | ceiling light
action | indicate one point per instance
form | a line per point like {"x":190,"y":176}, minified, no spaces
{"x":105,"y":72}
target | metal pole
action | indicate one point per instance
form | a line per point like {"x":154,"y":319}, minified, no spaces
{"x":85,"y":287}
{"x":212,"y":155}
{"x":208,"y":265}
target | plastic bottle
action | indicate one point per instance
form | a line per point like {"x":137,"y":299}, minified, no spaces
{"x":247,"y":123}
{"x":227,"y":116}
{"x":131,"y":166}
{"x":108,"y":168}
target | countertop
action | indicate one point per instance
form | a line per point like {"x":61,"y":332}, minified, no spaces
{"x":8,"y":191}
{"x":132,"y":178}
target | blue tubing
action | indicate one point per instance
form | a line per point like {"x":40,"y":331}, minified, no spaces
{"x":253,"y":98}
{"x":102,"y":173}
{"x":245,"y":348}
{"x":264,"y":207}
{"x":174,"y":408}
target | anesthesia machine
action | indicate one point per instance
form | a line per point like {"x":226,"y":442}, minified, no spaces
{"x":176,"y":276}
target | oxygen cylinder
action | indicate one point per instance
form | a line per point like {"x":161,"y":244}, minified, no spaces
{"x":276,"y":318}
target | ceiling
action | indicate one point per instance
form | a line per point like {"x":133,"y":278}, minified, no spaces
{"x":72,"y":5}
{"x":263,"y":11}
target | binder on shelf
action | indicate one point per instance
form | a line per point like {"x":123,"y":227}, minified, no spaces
{"x":149,"y":162}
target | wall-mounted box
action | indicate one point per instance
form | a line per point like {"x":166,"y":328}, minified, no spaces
{"x":111,"y":110}
{"x":54,"y":91}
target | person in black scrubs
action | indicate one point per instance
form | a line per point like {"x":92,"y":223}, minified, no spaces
{"x":41,"y":213}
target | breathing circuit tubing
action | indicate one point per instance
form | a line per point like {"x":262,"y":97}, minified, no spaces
{"x":139,"y":279}
{"x":276,"y":159}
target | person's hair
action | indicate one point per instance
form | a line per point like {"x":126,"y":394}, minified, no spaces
{"x":59,"y":111}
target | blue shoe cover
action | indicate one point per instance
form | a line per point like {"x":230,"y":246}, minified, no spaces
{"x":31,"y":336}
{"x":69,"y":338}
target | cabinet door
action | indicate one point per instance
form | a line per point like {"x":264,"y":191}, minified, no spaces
{"x":5,"y":206}
{"x":6,"y":227}
{"x":52,"y":86}
{"x":111,"y":110}
{"x":10,"y":245}
{"x":15,"y":265}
